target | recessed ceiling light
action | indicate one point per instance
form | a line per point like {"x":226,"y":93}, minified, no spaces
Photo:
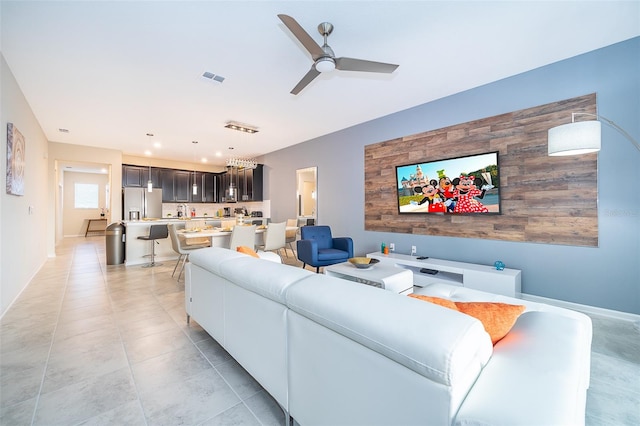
{"x":147,"y":152}
{"x":218,"y":154}
{"x":204,"y":159}
{"x":157,"y":145}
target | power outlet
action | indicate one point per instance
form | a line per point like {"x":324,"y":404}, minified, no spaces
{"x":413,"y":250}
{"x":392,"y":247}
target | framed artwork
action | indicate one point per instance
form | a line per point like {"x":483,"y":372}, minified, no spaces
{"x":15,"y":160}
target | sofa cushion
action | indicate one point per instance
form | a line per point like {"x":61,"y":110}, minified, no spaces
{"x":331,"y":254}
{"x":535,"y":376}
{"x":434,"y":341}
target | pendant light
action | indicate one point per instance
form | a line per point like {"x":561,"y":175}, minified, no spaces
{"x":194,"y":188}
{"x":149,"y":182}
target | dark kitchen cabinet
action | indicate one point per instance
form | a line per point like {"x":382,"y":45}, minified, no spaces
{"x":176,"y":185}
{"x":182,"y":186}
{"x":225,"y":180}
{"x":138,"y":176}
{"x":133,"y":176}
{"x":156,"y":178}
{"x":247,"y":184}
{"x":166,"y":183}
{"x":250,"y":184}
{"x":210,"y":185}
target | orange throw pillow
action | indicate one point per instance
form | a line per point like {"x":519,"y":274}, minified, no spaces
{"x":497,"y":318}
{"x":437,"y":300}
{"x":247,"y":250}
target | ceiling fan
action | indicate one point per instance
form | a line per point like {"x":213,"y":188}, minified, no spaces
{"x":324,"y":60}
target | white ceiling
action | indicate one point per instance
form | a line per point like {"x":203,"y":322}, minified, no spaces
{"x":111,"y":72}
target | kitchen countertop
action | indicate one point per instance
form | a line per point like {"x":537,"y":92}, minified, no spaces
{"x":176,"y":219}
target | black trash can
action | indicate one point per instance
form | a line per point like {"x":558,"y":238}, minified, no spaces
{"x":114,"y":236}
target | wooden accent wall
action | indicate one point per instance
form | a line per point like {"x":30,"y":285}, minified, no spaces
{"x":544,"y":199}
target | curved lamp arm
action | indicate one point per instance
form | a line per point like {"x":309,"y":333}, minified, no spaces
{"x":609,"y":122}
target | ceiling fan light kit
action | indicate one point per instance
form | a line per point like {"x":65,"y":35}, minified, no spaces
{"x":325,"y":64}
{"x":324,"y":60}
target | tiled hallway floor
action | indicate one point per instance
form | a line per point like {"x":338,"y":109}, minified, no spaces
{"x":93,"y":344}
{"x":90,"y":344}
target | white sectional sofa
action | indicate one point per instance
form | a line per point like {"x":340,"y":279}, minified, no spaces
{"x":333,"y":352}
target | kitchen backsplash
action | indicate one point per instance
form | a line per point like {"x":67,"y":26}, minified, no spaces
{"x":213,"y":209}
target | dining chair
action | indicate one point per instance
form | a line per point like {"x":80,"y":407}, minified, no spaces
{"x":243,"y":235}
{"x":291,"y":235}
{"x":156,"y":232}
{"x":179,"y":246}
{"x":275,"y":237}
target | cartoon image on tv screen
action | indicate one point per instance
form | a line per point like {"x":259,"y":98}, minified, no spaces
{"x":463,"y":185}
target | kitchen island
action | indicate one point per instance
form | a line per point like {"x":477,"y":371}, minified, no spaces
{"x":137,"y":251}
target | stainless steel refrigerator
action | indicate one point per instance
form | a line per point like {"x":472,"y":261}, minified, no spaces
{"x":138,"y":203}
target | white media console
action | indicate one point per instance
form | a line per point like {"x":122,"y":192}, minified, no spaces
{"x":478,"y":277}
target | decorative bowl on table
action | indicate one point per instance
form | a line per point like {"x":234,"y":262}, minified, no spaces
{"x":363,"y":262}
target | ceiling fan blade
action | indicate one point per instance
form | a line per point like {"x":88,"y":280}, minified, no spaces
{"x":308,"y":78}
{"x":351,"y":64}
{"x":314,"y":49}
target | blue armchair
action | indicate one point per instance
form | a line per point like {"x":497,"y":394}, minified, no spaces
{"x":316,"y":247}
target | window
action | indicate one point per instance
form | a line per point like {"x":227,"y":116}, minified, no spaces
{"x":86,"y":196}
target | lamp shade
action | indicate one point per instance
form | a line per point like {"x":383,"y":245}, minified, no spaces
{"x":576,"y":138}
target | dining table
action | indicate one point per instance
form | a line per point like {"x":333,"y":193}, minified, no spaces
{"x":221,"y":237}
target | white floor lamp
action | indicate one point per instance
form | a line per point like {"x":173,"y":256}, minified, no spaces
{"x":581,"y":137}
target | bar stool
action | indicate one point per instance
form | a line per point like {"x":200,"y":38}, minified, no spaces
{"x":156,"y":232}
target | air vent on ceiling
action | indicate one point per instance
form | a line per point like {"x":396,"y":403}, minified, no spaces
{"x":212,"y":76}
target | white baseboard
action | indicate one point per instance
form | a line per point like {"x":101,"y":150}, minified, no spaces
{"x":626,"y":316}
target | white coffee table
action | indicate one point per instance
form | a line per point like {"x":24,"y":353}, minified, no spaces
{"x":387,"y":277}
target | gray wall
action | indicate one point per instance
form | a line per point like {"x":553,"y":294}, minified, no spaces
{"x":607,"y":276}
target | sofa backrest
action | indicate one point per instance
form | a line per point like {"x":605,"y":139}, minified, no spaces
{"x":266,"y":278}
{"x":436,"y":342}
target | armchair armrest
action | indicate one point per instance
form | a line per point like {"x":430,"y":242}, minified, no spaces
{"x":344,"y":243}
{"x":308,"y":251}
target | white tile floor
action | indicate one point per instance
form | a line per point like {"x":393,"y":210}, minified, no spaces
{"x":90,"y":344}
{"x":93,"y":344}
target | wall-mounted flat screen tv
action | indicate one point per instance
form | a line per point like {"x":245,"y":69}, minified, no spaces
{"x":461,"y":185}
